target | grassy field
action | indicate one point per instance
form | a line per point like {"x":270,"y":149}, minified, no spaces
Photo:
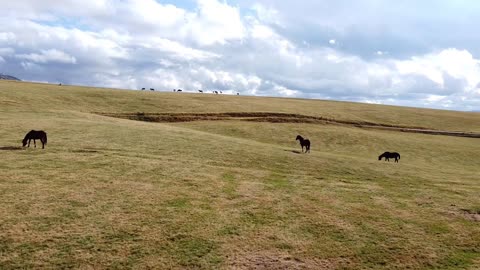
{"x":231,"y":194}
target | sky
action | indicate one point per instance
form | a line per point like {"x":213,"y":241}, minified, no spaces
{"x":409,"y":53}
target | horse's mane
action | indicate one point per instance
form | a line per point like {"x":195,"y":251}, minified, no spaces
{"x":28,"y":134}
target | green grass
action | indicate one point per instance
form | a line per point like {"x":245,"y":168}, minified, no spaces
{"x":116,"y":193}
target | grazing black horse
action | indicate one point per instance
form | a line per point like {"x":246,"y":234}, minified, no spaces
{"x":304,"y":143}
{"x":388,"y":156}
{"x":35,"y":135}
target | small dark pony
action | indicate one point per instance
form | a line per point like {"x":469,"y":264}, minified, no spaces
{"x":388,"y":156}
{"x":34,"y":135}
{"x":304,"y":143}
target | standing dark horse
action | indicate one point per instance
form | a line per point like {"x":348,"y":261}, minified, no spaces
{"x":34,"y":135}
{"x":304,"y":143}
{"x":388,"y":156}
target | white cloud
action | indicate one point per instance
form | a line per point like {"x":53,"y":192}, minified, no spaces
{"x":275,"y":48}
{"x":215,"y":22}
{"x":46,"y":9}
{"x":179,"y":50}
{"x":259,"y":31}
{"x":266,"y":14}
{"x":286,"y":92}
{"x":153,"y":13}
{"x":31,"y":67}
{"x":7,"y":37}
{"x":6,"y":51}
{"x":458,"y":64}
{"x":47,"y":56}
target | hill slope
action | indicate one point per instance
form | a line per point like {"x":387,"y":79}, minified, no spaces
{"x":117,"y":193}
{"x":44,"y":97}
{"x":8,"y":77}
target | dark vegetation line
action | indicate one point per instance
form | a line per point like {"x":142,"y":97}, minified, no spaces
{"x":277,"y":118}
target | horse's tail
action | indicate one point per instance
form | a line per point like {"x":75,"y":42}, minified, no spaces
{"x":45,"y":137}
{"x":398,"y":156}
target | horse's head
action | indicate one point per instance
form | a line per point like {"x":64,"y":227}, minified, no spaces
{"x":383,"y":155}
{"x":299,"y":138}
{"x":24,"y":142}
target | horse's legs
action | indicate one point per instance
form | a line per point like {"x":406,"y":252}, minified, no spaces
{"x":29,"y":142}
{"x":43,"y":144}
{"x":35,"y":143}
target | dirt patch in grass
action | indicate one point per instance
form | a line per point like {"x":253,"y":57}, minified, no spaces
{"x":471,"y":214}
{"x":277,"y":118}
{"x":281,"y":262}
{"x":243,"y":116}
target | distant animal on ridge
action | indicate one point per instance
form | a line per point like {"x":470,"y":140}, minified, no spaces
{"x":200,"y":91}
{"x":35,"y":135}
{"x":389,"y":155}
{"x":179,"y":90}
{"x":152,"y":89}
{"x":143,"y":88}
{"x":304,"y":143}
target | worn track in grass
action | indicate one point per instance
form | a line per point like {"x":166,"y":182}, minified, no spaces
{"x":277,"y":118}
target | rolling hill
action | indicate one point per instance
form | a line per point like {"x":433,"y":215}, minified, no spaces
{"x":199,"y":181}
{"x":8,"y":77}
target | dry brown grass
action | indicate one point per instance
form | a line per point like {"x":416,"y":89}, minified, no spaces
{"x":116,"y":193}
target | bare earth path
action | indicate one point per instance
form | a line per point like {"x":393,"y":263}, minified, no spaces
{"x":278,"y":118}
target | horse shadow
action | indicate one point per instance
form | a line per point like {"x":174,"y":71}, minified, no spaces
{"x":293,"y":151}
{"x":11,"y":148}
{"x":85,"y":151}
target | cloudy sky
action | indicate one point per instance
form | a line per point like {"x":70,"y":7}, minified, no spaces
{"x":413,"y":53}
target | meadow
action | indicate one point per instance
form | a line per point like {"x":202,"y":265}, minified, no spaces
{"x":233,"y":192}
